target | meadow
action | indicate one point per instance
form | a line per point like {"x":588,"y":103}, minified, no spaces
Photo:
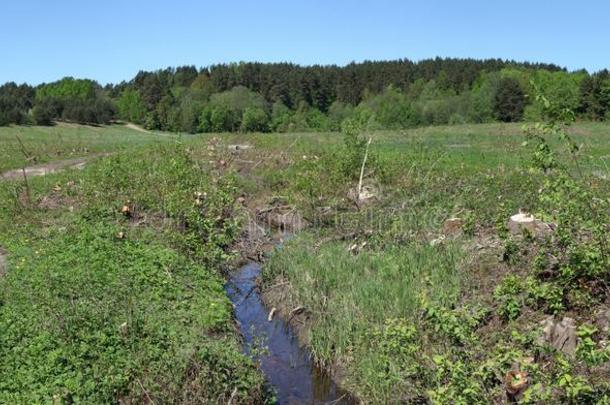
{"x":114,"y":284}
{"x":30,"y":145}
{"x":113,"y":291}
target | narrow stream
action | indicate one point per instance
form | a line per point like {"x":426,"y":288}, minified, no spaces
{"x":287,"y":366}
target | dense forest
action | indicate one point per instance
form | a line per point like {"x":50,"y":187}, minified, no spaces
{"x":284,"y":97}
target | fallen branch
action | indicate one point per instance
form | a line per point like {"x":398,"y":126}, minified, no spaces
{"x":277,"y":285}
{"x":232,"y":396}
{"x":295,"y":312}
{"x":145,"y":392}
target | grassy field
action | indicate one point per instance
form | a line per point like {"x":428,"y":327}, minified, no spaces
{"x":31,"y":145}
{"x":397,"y":308}
{"x":400,"y":316}
{"x":114,"y":291}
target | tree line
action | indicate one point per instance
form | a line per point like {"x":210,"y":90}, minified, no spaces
{"x":287,"y":97}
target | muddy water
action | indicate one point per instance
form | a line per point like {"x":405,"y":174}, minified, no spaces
{"x":287,"y":366}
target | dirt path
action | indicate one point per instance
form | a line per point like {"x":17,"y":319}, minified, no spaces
{"x":137,"y":128}
{"x":48,"y":168}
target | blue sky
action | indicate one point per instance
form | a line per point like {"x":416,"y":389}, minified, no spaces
{"x":112,"y":40}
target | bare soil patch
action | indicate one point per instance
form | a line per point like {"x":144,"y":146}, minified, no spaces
{"x":44,"y":169}
{"x":137,"y":128}
{"x":3,"y":261}
{"x":49,"y":168}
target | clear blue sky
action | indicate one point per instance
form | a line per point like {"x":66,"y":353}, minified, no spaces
{"x":111,"y":40}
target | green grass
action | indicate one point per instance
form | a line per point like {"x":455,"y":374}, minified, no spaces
{"x":352,"y":291}
{"x":479,"y":173}
{"x":65,"y":141}
{"x":100,"y":308}
{"x":397,"y":318}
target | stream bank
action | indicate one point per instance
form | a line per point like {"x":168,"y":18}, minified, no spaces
{"x":272,"y":341}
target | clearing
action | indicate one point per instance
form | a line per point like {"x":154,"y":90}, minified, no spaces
{"x":116,"y":292}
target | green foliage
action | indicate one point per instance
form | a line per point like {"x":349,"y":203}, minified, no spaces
{"x":561,"y":87}
{"x":280,"y":117}
{"x":588,"y":350}
{"x":68,"y":88}
{"x":595,"y":96}
{"x":188,"y":108}
{"x":215,"y":119}
{"x":131,"y":107}
{"x":514,"y":293}
{"x":304,"y":119}
{"x":507,"y":293}
{"x":457,"y":325}
{"x":354,"y":137}
{"x":567,"y":198}
{"x":437,"y":104}
{"x":104,"y":308}
{"x":364,"y":305}
{"x":255,"y":119}
{"x":396,"y":344}
{"x":401,"y":94}
{"x":45,"y":111}
{"x":391,"y":108}
{"x":360,"y":301}
{"x":72,"y":99}
{"x":337,"y":113}
{"x":481,"y":98}
{"x":15,"y":103}
{"x":226,"y":111}
{"x":449,"y":350}
{"x":509,"y":100}
{"x":85,"y":288}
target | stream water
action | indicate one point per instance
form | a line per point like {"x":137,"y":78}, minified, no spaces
{"x":287,"y":366}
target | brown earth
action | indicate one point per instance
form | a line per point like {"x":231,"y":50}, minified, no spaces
{"x":49,"y":168}
{"x":44,"y":169}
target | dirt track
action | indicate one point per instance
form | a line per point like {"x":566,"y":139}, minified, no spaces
{"x":46,"y":168}
{"x":137,"y":128}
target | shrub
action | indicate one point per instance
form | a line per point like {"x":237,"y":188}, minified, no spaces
{"x":131,"y":106}
{"x":255,"y":119}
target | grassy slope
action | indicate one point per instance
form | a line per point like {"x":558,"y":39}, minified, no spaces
{"x":98,"y":307}
{"x":65,"y":141}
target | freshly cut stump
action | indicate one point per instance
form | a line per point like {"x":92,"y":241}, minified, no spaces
{"x":524,"y":222}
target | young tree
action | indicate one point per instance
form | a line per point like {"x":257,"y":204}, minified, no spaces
{"x":595,"y":96}
{"x":337,"y":113}
{"x":131,"y":107}
{"x":509,"y":100}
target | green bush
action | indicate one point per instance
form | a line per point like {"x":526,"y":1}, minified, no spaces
{"x":255,"y":119}
{"x":131,"y":107}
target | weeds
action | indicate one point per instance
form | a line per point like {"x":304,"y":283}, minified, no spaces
{"x":460,"y":342}
{"x":103,"y":307}
{"x":401,"y":319}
